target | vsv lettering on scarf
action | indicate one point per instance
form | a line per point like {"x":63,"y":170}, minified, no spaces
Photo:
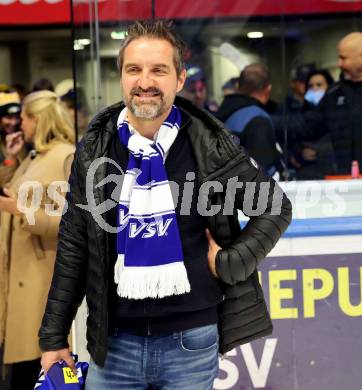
{"x":150,"y":229}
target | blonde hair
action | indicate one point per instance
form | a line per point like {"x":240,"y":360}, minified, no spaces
{"x":52,"y":121}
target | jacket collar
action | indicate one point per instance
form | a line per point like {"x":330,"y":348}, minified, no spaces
{"x":234,"y":102}
{"x":212,"y":143}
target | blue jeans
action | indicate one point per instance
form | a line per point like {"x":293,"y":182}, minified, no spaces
{"x":179,"y":361}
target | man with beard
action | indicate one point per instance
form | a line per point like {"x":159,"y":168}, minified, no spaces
{"x":339,"y":113}
{"x":9,"y":119}
{"x":164,"y":280}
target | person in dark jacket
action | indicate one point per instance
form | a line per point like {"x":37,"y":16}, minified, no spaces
{"x":315,"y":160}
{"x":294,"y":101}
{"x":339,"y":113}
{"x":165,"y":293}
{"x":9,"y":118}
{"x":244,"y":114}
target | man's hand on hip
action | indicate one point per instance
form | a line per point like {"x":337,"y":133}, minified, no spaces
{"x":211,"y":256}
{"x":51,"y":357}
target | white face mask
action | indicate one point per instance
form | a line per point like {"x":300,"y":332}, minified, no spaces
{"x":314,"y":96}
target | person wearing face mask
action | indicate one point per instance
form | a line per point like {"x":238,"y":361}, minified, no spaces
{"x":339,"y":113}
{"x":316,"y":86}
{"x":315,"y":158}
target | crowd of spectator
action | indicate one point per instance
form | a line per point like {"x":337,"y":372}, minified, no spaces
{"x":314,"y":133}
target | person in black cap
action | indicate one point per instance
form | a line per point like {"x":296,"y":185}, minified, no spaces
{"x":195,"y":89}
{"x":230,"y":87}
{"x":294,"y":101}
{"x":9,"y":117}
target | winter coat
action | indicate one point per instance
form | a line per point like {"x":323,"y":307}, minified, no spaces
{"x":82,"y":257}
{"x":27,"y":255}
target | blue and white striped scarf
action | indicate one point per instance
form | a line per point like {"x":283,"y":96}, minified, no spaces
{"x":150,"y":259}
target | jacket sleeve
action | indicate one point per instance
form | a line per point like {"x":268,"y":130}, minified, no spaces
{"x":45,"y":226}
{"x":68,"y":284}
{"x":6,"y":173}
{"x":268,"y":220}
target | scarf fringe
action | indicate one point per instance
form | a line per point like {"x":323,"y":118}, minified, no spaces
{"x":150,"y":282}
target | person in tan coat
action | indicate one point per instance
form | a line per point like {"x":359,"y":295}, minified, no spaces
{"x":30,"y":209}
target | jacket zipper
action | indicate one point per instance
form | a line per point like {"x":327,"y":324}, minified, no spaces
{"x":148,"y":320}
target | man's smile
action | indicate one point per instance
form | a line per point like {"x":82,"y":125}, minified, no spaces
{"x":147,"y":94}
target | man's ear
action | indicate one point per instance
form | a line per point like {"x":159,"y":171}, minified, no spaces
{"x":181,"y":80}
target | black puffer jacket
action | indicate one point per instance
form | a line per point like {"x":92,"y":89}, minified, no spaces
{"x":82,"y":260}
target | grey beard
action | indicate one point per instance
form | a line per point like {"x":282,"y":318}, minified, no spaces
{"x":147,"y":111}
